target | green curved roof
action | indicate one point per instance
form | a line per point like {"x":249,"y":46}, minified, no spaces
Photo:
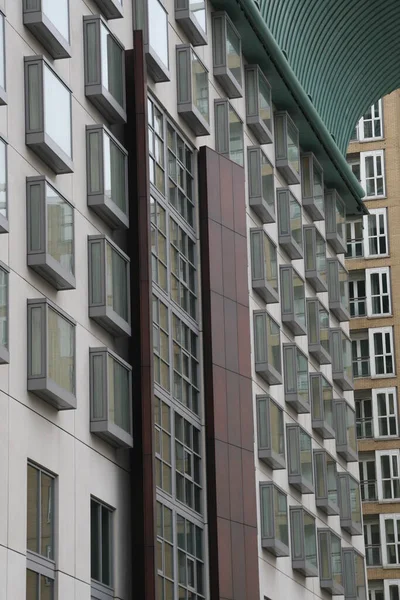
{"x":345,"y":54}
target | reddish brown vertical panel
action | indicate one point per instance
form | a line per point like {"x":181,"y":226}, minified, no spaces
{"x":231,"y":490}
{"x":143,"y":488}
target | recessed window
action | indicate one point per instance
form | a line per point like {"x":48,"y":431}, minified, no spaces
{"x":299,"y":457}
{"x":4,"y":302}
{"x":357,"y":294}
{"x":326,"y":491}
{"x":51,"y":354}
{"x":293,"y":302}
{"x":50,"y":233}
{"x":104,"y":69}
{"x":373,"y":548}
{"x":228,"y":131}
{"x":355,"y":239}
{"x":312,"y":186}
{"x":360,"y":355}
{"x":3,"y":93}
{"x":350,"y":504}
{"x":290,"y":230}
{"x":376,"y":240}
{"x":304,"y":542}
{"x":335,"y":221}
{"x":270,"y":433}
{"x":188,"y":465}
{"x":185,"y":364}
{"x":48,"y":20}
{"x":109,"y":301}
{"x":342,"y":370}
{"x":152,"y":17}
{"x":101,"y":548}
{"x":345,"y":428}
{"x":107,"y":176}
{"x":373,"y":173}
{"x":161,"y":330}
{"x":192,"y":90}
{"x":318,"y":331}
{"x":40,"y":513}
{"x":163,"y":445}
{"x":267,"y":347}
{"x":330,"y":562}
{"x":38,"y":587}
{"x":364,"y":420}
{"x":110,"y":397}
{"x":192,"y":17}
{"x":183,"y":276}
{"x":315,"y":258}
{"x":258,"y":104}
{"x":190,"y":543}
{"x":338,"y":286}
{"x":264,"y":266}
{"x":165,"y":549}
{"x":274,"y":519}
{"x":384,"y":402}
{"x":46,"y":98}
{"x":3,"y":188}
{"x":297,"y":393}
{"x":354,"y":575}
{"x":381,"y":351}
{"x":227,"y":55}
{"x":261,"y":184}
{"x":287,"y":148}
{"x":378,"y":292}
{"x":322,"y":405}
{"x":368,"y":482}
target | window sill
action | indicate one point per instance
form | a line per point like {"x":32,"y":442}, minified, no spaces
{"x":386,"y":376}
{"x":368,"y":198}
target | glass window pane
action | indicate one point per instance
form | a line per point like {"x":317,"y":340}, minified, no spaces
{"x":198,"y":10}
{"x":200,"y":87}
{"x":3,"y":308}
{"x":158,"y":30}
{"x":57,"y":12}
{"x":61,"y":351}
{"x":264,"y":99}
{"x":235,"y":137}
{"x":233,"y":53}
{"x":47,"y":516}
{"x":114,"y":173}
{"x":117,"y":282}
{"x":32,"y":524}
{"x":95,"y":540}
{"x":60,"y":229}
{"x":105,"y":546}
{"x":36,"y":341}
{"x":112,"y":72}
{"x":32,"y":585}
{"x":118,"y":394}
{"x":57,"y":101}
{"x":3,"y":179}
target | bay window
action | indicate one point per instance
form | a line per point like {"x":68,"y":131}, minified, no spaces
{"x":192,"y":90}
{"x":270,"y":433}
{"x":227,"y":55}
{"x":330,"y":562}
{"x":152,"y":17}
{"x":48,"y":21}
{"x":192,"y":17}
{"x":338,"y":287}
{"x":258,"y":104}
{"x":261,"y":184}
{"x":287,"y":148}
{"x":290,"y":233}
{"x":296,"y":378}
{"x":318,"y":331}
{"x":293,"y":302}
{"x":304,"y":542}
{"x":322,"y":405}
{"x":315,"y":258}
{"x":267,"y":347}
{"x":228,"y":131}
{"x":312,"y":186}
{"x":345,"y":428}
{"x":299,"y":455}
{"x":274,"y":519}
{"x":335,"y":221}
{"x":264,"y":265}
{"x":340,"y":349}
{"x":326,"y":486}
{"x":350,"y":504}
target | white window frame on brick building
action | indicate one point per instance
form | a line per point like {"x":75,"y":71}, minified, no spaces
{"x":391,"y":416}
{"x":383,"y":277}
{"x":380,"y":215}
{"x":373,"y":116}
{"x":375,"y":181}
{"x":395,"y":518}
{"x":388,"y":483}
{"x":387,"y":350}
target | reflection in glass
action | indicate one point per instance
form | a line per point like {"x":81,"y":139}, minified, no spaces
{"x":198,"y":10}
{"x":235,"y":137}
{"x":57,"y":11}
{"x":111,"y":65}
{"x":3,"y":308}
{"x":233,"y":53}
{"x":200,"y":87}
{"x":57,"y":112}
{"x":118,"y":394}
{"x":117,"y":282}
{"x":3,"y":179}
{"x":61,"y":350}
{"x":114,"y":173}
{"x":60,"y":229}
{"x":158,"y":30}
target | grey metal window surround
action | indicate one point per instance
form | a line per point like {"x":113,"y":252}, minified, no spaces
{"x":227,"y":55}
{"x":110,"y":397}
{"x":3,"y":92}
{"x":258,"y":104}
{"x":293,"y":302}
{"x":42,"y":131}
{"x":354,"y":575}
{"x":107,"y":176}
{"x":326,"y":485}
{"x":299,"y":459}
{"x":264,"y":266}
{"x":303,"y":535}
{"x":51,"y":354}
{"x":335,"y":221}
{"x":270,"y":432}
{"x":39,"y":585}
{"x":312,"y":186}
{"x":338,"y":286}
{"x":192,"y":90}
{"x":322,"y":406}
{"x":228,"y":131}
{"x":290,"y":233}
{"x":4,"y":225}
{"x":274,"y":519}
{"x":261,"y":184}
{"x":287,"y":149}
{"x":4,"y":314}
{"x":345,"y":429}
{"x":315,"y":258}
{"x":318,"y":331}
{"x":342,"y":369}
{"x":112,"y":9}
{"x":109,"y":268}
{"x":295,"y":364}
{"x":192,"y":17}
{"x":330,"y":562}
{"x":42,"y":26}
{"x":104,"y":69}
{"x":40,"y":528}
{"x":101,"y":550}
{"x":151,"y":17}
{"x":350,"y":504}
{"x":267,"y":347}
{"x":50,"y":233}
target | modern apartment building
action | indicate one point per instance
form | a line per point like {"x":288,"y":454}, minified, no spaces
{"x":177,"y":416}
{"x":373,"y":264}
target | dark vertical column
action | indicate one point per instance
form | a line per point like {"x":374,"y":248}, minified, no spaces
{"x":231,"y":490}
{"x":141,"y":352}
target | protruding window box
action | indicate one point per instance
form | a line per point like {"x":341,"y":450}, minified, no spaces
{"x":338,"y":289}
{"x":330,"y":562}
{"x":151,"y":16}
{"x":287,"y":148}
{"x":3,"y":92}
{"x":354,"y":575}
{"x":335,"y":221}
{"x":274,"y":519}
{"x":192,"y":90}
{"x":109,"y":301}
{"x":326,"y":485}
{"x":228,"y":132}
{"x":299,"y":453}
{"x":322,"y":406}
{"x":4,"y":303}
{"x":303,"y":536}
{"x":261,"y":184}
{"x":49,"y":23}
{"x":296,"y":378}
{"x":107,"y":176}
{"x":293,"y":302}
{"x":289,"y":223}
{"x":318,"y":331}
{"x":104,"y":69}
{"x":350,"y":504}
{"x":4,"y":227}
{"x":46,"y":98}
{"x":111,"y":9}
{"x":110,"y":397}
{"x":315,"y":258}
{"x":258,"y":104}
{"x":345,"y":429}
{"x":312,"y":186}
{"x":192,"y":17}
{"x":227,"y":55}
{"x":271,"y":434}
{"x":264,"y":266}
{"x":267,"y":344}
{"x":342,"y":370}
{"x":51,"y":354}
{"x":50,"y":233}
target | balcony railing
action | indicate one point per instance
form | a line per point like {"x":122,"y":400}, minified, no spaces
{"x":368,"y":490}
{"x":365,"y":428}
{"x":373,"y":555}
{"x":361,"y":367}
{"x":355,"y":248}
